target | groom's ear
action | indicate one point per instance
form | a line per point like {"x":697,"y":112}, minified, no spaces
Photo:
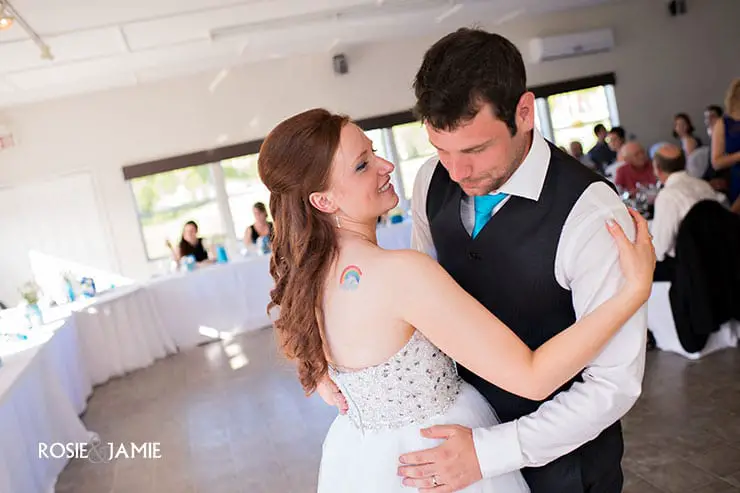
{"x":525,"y":112}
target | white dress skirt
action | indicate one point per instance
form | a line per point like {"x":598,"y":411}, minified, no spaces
{"x":389,"y":404}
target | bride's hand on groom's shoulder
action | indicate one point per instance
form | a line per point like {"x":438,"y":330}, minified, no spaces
{"x":331,"y":394}
{"x":637,"y":259}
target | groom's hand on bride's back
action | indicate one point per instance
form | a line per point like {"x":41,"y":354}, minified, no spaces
{"x":331,"y":394}
{"x":449,"y":467}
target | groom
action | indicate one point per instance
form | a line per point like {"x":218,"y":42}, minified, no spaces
{"x":520,"y":226}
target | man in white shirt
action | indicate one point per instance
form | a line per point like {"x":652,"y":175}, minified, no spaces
{"x":520,"y":225}
{"x":679,"y":194}
{"x":576,"y":150}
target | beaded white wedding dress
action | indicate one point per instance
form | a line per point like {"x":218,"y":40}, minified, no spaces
{"x":388,"y":406}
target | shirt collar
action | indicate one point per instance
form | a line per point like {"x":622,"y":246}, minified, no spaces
{"x":674,"y":178}
{"x":528,"y":180}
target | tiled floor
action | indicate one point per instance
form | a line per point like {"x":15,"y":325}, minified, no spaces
{"x":229,"y":427}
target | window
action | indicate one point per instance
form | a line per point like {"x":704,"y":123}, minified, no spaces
{"x":537,"y":121}
{"x":244,"y":189}
{"x":414,"y":150}
{"x":379,"y":143}
{"x":407,"y":147}
{"x":220,"y":199}
{"x":166,"y":201}
{"x":574,"y":114}
{"x":564,"y":112}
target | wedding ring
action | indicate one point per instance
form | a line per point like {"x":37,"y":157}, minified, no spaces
{"x":435,"y":483}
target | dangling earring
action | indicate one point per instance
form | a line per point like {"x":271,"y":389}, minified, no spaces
{"x":336,"y":217}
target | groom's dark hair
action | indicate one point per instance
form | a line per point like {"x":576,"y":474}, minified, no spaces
{"x":465,"y":70}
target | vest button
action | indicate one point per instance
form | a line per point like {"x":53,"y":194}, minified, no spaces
{"x":474,"y":256}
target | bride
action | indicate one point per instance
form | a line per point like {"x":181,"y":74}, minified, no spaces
{"x":373,"y":319}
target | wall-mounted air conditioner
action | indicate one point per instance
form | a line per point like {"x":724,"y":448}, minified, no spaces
{"x":571,"y":45}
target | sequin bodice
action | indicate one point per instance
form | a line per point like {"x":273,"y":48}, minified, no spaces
{"x":417,"y":383}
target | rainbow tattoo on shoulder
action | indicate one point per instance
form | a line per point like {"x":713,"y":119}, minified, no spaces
{"x":350,"y":278}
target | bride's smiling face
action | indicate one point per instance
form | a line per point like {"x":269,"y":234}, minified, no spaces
{"x":360,"y":186}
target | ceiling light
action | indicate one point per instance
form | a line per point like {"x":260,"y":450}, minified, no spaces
{"x":6,"y":19}
{"x":9,"y":15}
{"x":6,"y":22}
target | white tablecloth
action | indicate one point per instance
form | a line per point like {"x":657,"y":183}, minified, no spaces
{"x":42,"y":391}
{"x":663,"y":326}
{"x":122,"y":331}
{"x":197,"y":306}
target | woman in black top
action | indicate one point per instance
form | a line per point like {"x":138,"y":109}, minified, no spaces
{"x":261,"y":227}
{"x":683,"y":130}
{"x":190,"y":244}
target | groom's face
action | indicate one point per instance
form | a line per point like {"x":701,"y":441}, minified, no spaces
{"x":481,"y":154}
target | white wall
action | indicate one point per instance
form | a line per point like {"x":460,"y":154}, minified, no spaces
{"x":663,"y":65}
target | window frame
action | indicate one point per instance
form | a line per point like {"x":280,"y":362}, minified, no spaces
{"x":385,"y":123}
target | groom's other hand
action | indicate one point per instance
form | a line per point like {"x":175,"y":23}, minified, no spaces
{"x":331,"y":394}
{"x":453,"y":464}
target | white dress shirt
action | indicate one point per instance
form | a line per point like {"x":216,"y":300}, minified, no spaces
{"x":679,"y":194}
{"x":587,"y":264}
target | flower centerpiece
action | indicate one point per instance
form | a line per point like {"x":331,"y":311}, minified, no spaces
{"x":31,"y":292}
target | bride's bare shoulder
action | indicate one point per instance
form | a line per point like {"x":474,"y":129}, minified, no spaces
{"x":399,"y":267}
{"x":406,"y":262}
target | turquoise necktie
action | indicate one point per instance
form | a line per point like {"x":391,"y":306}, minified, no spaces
{"x":484,"y":206}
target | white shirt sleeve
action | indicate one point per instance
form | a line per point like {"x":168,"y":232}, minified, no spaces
{"x":665,"y":224}
{"x":421,"y":235}
{"x":587,"y":263}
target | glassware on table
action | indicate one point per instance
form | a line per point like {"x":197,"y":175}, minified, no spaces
{"x":187,"y":263}
{"x":33,"y":315}
{"x":263,"y":244}
{"x":87,"y":284}
{"x":221,"y":256}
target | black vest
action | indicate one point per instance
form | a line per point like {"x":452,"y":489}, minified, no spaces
{"x":510,"y":269}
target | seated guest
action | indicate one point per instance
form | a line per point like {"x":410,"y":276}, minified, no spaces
{"x":712,"y":114}
{"x":601,"y":154}
{"x":683,"y":130}
{"x":679,"y":194}
{"x":636,"y":168}
{"x":654,"y":148}
{"x":699,"y":162}
{"x":190,"y":244}
{"x":720,"y":180}
{"x":261,"y":227}
{"x":576,"y":150}
{"x":616,"y":138}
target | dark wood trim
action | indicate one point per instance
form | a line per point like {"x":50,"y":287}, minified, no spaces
{"x":386,"y":121}
{"x":546,"y":90}
{"x":192,"y":159}
{"x":383,"y":121}
{"x":252,"y":147}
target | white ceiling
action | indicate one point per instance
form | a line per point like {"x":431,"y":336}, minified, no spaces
{"x":99,"y":44}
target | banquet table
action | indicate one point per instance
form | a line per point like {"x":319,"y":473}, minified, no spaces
{"x":43,"y":389}
{"x":121,"y":331}
{"x":198,"y":306}
{"x":45,"y":382}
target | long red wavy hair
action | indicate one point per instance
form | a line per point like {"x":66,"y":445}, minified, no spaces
{"x":294,"y":161}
